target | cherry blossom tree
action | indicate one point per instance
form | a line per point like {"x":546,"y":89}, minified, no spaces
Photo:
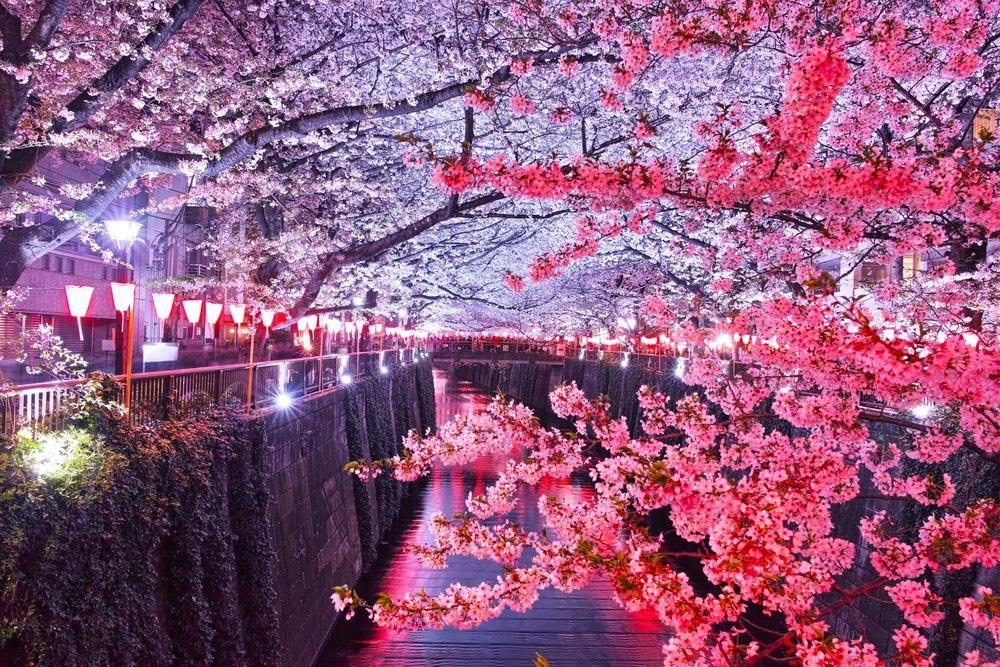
{"x":863,"y":133}
{"x":531,"y":163}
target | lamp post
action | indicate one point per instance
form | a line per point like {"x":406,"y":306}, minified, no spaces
{"x":123,"y":234}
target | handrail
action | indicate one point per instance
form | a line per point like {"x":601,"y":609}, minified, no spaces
{"x":157,"y":394}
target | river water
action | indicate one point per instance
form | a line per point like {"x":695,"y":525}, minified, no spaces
{"x":586,"y":627}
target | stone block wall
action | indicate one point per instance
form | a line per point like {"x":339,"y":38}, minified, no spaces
{"x":321,"y":516}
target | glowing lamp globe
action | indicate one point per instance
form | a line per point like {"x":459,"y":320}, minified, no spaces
{"x":213,"y":311}
{"x":192,"y":310}
{"x":122,"y":233}
{"x":163,"y":303}
{"x":237,"y":311}
{"x":123,"y":295}
{"x":78,"y":297}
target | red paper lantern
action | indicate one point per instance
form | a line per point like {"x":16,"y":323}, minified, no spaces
{"x":213,"y":311}
{"x":163,"y":303}
{"x":192,"y":310}
{"x":237,"y":311}
{"x":78,"y":297}
{"x":123,"y":295}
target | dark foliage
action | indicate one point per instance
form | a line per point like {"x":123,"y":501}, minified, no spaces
{"x":154,"y":548}
{"x":365,"y":500}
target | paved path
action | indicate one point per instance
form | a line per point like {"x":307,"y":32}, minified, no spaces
{"x":583,"y":628}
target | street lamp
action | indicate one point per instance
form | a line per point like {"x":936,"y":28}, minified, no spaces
{"x":123,"y":234}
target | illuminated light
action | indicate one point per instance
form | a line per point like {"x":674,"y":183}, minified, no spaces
{"x":122,"y":233}
{"x":679,"y":369}
{"x":266,"y":317}
{"x":78,"y":297}
{"x":350,"y":327}
{"x":192,"y":310}
{"x":971,"y":339}
{"x":306,"y":341}
{"x":123,"y":296}
{"x":746,"y":339}
{"x":664,"y":339}
{"x":163,"y":303}
{"x":622,"y":323}
{"x":600,"y":354}
{"x":346,"y":379}
{"x":377,"y":328}
{"x":384,"y":370}
{"x":333,"y":325}
{"x":237,"y":311}
{"x":312,"y":322}
{"x":52,"y":450}
{"x":301,"y":325}
{"x":213,"y":311}
{"x":583,"y":353}
{"x":631,"y":322}
{"x":923,"y":410}
{"x":624,"y":362}
{"x":402,"y":314}
{"x":357,"y":301}
{"x":283,"y":401}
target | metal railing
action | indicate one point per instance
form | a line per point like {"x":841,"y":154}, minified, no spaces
{"x":157,"y":395}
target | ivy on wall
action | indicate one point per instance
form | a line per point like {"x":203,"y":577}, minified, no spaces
{"x":147,"y":545}
{"x":403,"y":389}
{"x":426,"y":397}
{"x":358,"y":449}
{"x":382,"y":443}
{"x":379,"y":413}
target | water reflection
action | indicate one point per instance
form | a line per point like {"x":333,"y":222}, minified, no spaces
{"x":583,"y":628}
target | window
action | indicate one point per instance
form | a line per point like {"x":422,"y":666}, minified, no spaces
{"x":870,"y":274}
{"x":69,"y":266}
{"x":911,"y":266}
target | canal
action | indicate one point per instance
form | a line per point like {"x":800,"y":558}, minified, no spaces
{"x":586,"y":627}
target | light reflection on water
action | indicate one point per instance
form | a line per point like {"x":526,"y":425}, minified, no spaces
{"x":582,"y":628}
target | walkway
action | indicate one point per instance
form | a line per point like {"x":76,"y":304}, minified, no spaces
{"x":579,"y":629}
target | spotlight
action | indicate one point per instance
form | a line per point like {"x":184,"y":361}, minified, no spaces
{"x":345,"y":379}
{"x":383,"y":370}
{"x":679,"y":368}
{"x":283,"y":401}
{"x":624,"y":361}
{"x":923,"y":410}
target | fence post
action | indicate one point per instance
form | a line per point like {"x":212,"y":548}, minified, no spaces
{"x":165,"y":396}
{"x":218,"y":388}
